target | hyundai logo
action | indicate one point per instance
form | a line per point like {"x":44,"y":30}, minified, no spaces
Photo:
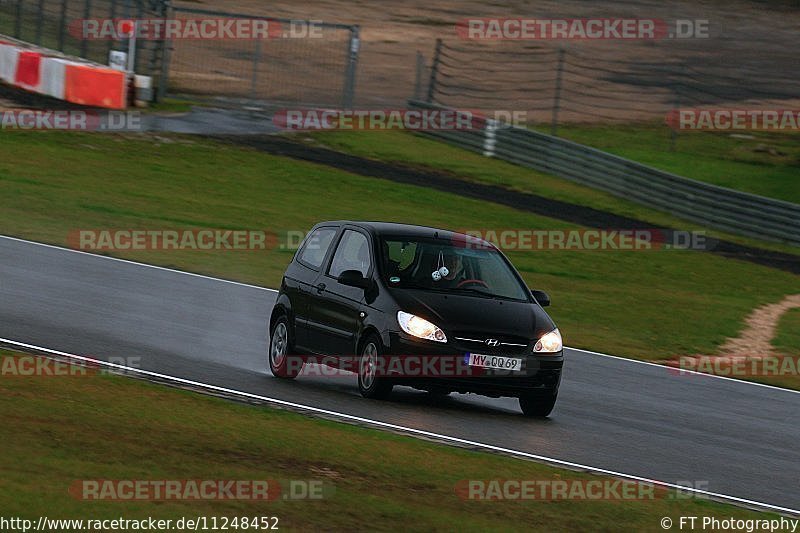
{"x":492,"y":342}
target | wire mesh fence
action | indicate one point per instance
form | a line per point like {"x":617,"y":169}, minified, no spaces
{"x":307,"y":62}
{"x":567,"y":85}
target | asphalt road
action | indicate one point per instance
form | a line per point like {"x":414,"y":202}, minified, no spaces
{"x":725,"y":436}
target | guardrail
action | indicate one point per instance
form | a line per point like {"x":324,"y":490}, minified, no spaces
{"x":717,"y":207}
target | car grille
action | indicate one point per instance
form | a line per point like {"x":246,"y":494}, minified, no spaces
{"x":506,"y":345}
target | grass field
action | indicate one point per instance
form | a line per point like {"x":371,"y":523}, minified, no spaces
{"x":788,"y":337}
{"x":646,"y":305}
{"x":63,"y":429}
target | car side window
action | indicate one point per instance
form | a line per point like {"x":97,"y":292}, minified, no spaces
{"x":316,"y":246}
{"x":352,"y":254}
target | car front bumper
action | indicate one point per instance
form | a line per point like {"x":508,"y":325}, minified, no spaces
{"x":539,"y":375}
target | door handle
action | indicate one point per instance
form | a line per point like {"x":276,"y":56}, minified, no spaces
{"x":320,"y":287}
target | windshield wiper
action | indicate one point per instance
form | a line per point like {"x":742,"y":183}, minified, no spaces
{"x":475,"y":291}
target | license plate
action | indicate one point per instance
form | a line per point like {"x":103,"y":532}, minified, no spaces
{"x":495,"y":361}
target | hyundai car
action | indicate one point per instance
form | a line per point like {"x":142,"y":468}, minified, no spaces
{"x":432,"y":309}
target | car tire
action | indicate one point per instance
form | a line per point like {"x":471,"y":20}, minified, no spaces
{"x":279,"y":354}
{"x":537,"y":406}
{"x":370,"y":385}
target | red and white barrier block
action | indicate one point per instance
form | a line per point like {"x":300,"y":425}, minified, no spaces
{"x":65,"y":79}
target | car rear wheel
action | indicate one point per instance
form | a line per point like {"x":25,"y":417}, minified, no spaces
{"x":369,"y":383}
{"x":537,"y":405}
{"x":281,"y":361}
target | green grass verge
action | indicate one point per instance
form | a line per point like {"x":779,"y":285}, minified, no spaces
{"x":59,"y":430}
{"x":757,"y":162}
{"x":646,"y":305}
{"x":787,"y":340}
{"x":425,"y":153}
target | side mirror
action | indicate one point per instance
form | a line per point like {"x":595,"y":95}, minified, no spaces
{"x":542,"y":297}
{"x":353,"y":278}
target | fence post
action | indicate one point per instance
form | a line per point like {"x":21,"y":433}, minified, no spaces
{"x":157,"y":47}
{"x":557,"y":96}
{"x":166,"y":55}
{"x":437,"y":56}
{"x":18,"y":21}
{"x":87,"y":12}
{"x":39,"y":22}
{"x":352,"y":62}
{"x":62,"y":25}
{"x":112,"y":13}
{"x":676,"y":103}
{"x":141,"y":45}
{"x":490,"y":138}
{"x":418,"y":77}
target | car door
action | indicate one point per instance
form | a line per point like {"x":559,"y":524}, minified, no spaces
{"x":335,"y":316}
{"x":300,"y":279}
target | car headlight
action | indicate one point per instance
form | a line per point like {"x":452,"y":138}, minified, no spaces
{"x":419,"y":327}
{"x":549,"y":343}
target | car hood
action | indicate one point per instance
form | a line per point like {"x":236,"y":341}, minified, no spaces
{"x":465,"y":313}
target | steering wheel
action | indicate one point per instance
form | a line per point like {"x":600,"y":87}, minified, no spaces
{"x":472,"y":282}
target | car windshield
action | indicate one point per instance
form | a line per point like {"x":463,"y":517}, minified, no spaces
{"x":440,"y":265}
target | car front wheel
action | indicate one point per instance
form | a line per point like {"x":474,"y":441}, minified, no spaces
{"x":537,"y":405}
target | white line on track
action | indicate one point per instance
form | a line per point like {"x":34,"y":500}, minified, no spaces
{"x":144,"y":265}
{"x":220,"y":280}
{"x":403,"y":429}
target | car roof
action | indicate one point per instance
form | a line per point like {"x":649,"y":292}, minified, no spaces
{"x":394,"y":228}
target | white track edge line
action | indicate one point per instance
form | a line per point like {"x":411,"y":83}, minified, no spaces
{"x":220,"y":280}
{"x":408,"y":430}
{"x":680,"y":371}
{"x":136,"y":263}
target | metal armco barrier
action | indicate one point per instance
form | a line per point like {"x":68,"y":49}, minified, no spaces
{"x":711,"y":205}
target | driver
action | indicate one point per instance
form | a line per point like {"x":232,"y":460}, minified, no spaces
{"x":455,"y":264}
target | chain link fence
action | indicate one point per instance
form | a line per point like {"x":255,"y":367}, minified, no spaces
{"x":578,"y":85}
{"x":316,"y":67}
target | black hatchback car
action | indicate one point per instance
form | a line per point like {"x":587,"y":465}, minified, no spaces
{"x":408,"y":305}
